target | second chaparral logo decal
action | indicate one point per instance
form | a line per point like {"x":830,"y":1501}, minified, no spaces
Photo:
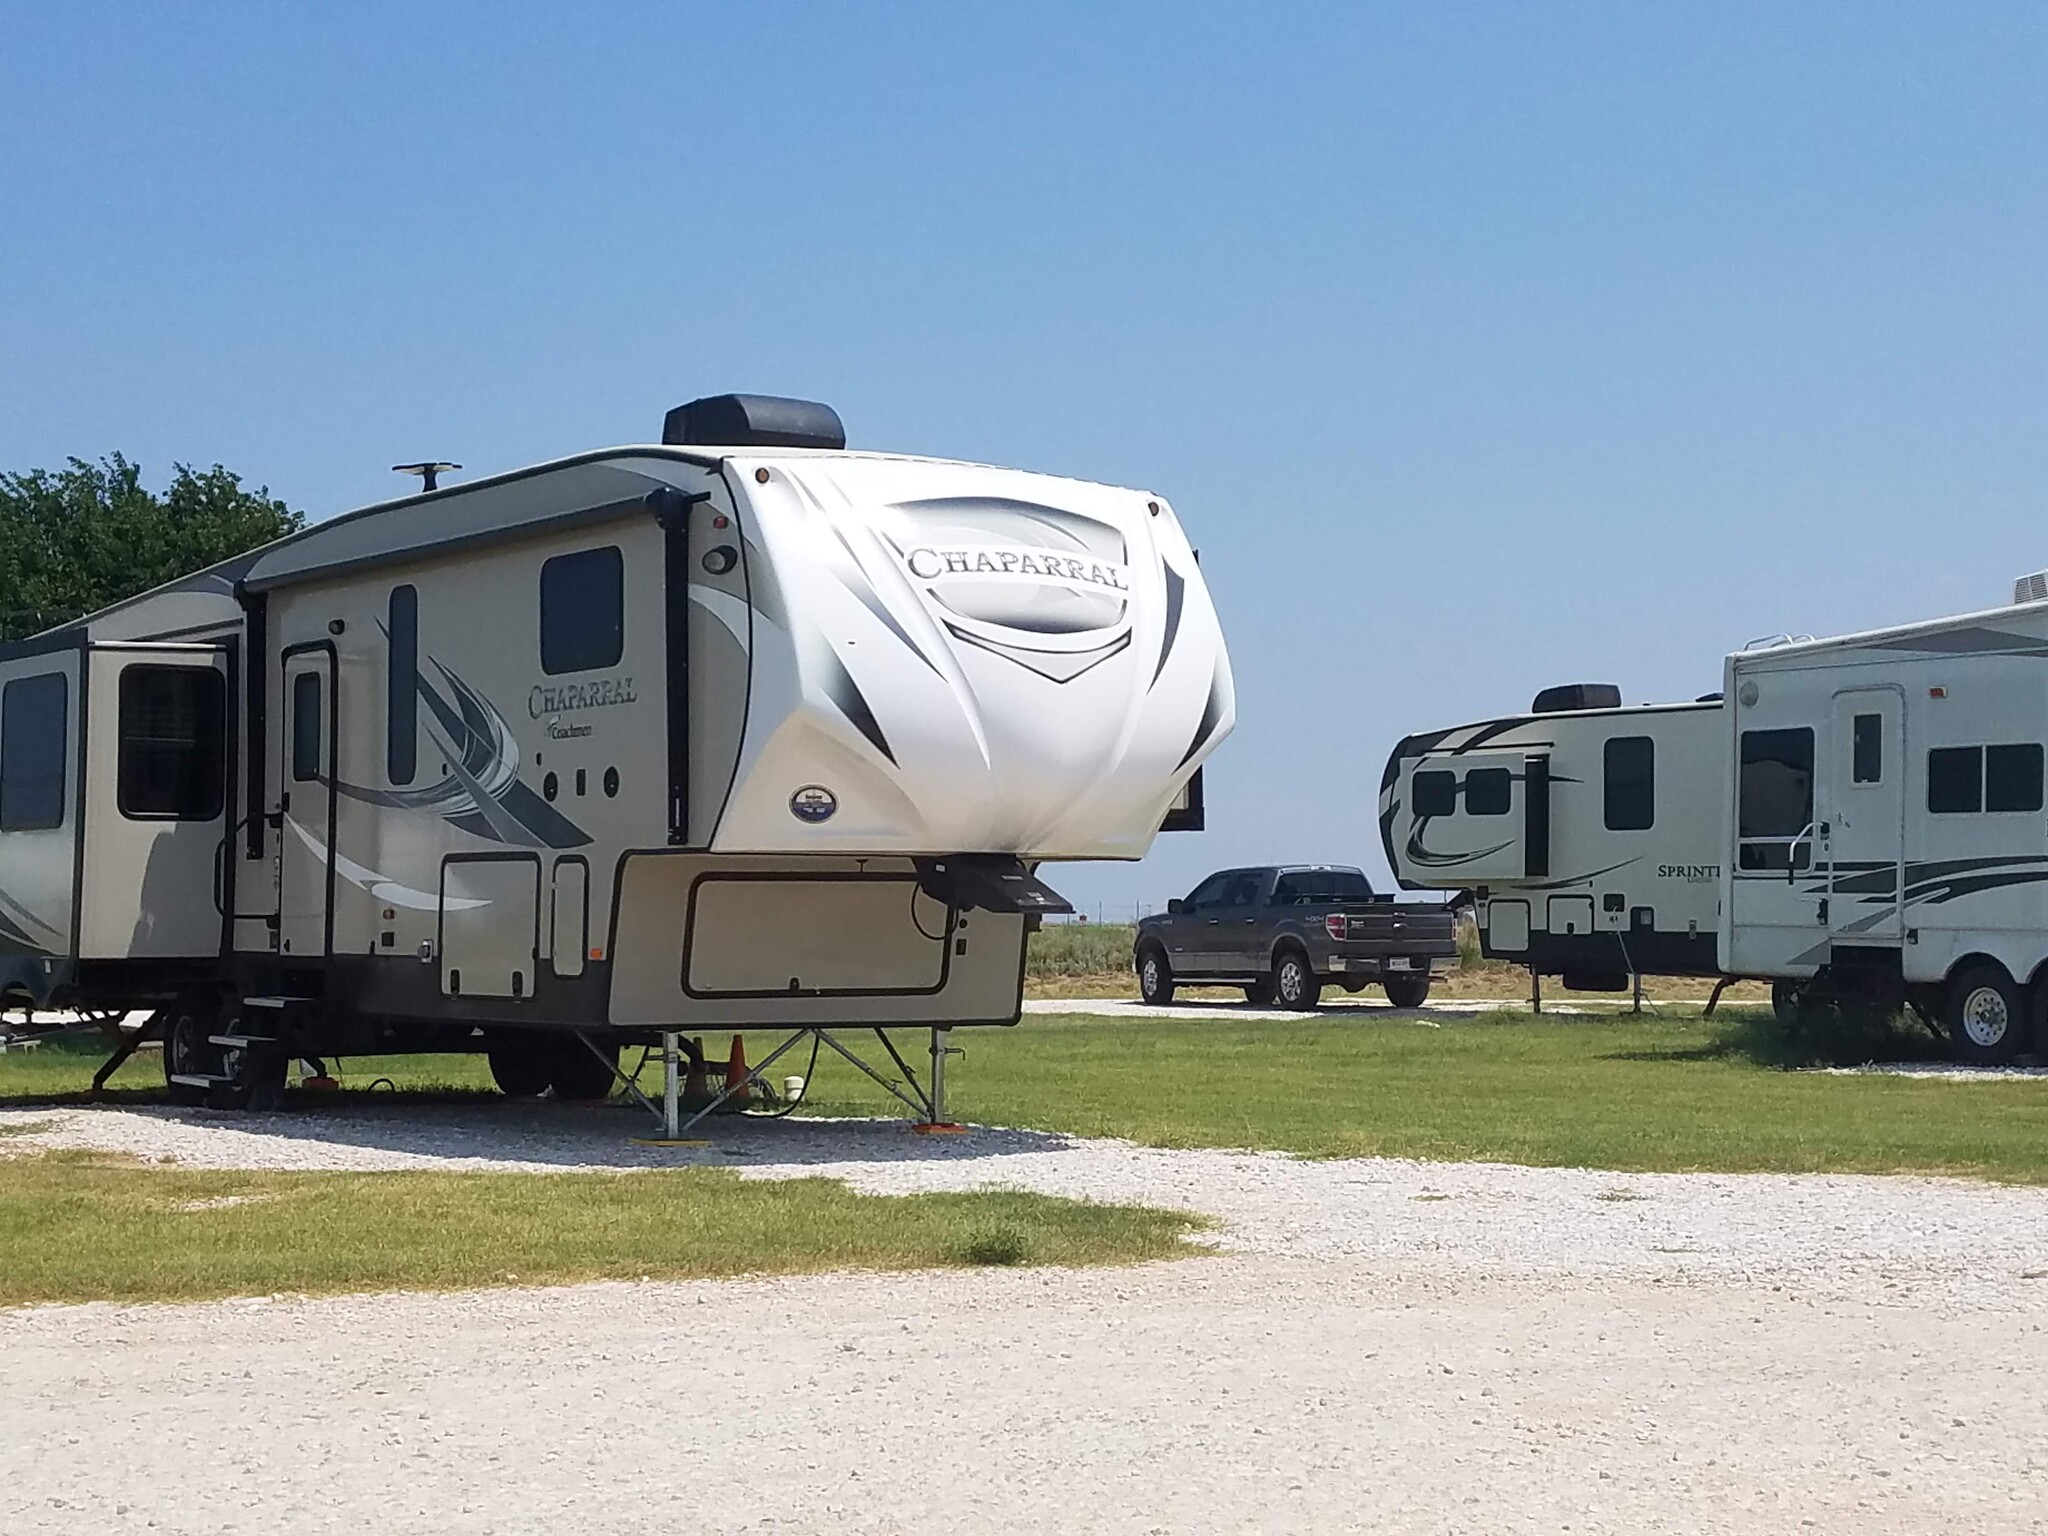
{"x":561,"y":698}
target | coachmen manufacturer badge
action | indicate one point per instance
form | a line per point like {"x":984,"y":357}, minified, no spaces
{"x":813,"y":803}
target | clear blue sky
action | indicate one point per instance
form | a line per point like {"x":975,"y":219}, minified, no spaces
{"x":1479,"y":346}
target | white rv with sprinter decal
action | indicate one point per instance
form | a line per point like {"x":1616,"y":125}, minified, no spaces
{"x":1587,"y":832}
{"x":1886,"y":840}
{"x":739,"y":730}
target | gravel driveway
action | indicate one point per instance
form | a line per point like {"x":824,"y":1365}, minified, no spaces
{"x":1390,"y":1346}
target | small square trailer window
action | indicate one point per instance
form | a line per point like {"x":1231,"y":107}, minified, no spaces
{"x":1488,"y":792}
{"x":173,"y":759}
{"x":1435,"y":792}
{"x":2012,"y":777}
{"x":33,"y":739}
{"x":1955,"y":780}
{"x":583,"y":611}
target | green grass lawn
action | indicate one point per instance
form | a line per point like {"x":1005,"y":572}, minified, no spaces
{"x":1663,"y":1092}
{"x":81,"y":1228}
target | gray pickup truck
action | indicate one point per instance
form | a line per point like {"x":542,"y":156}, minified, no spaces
{"x":1283,"y":932}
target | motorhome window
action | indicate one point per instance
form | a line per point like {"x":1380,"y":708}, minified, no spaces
{"x":1774,"y":799}
{"x":32,"y":752}
{"x":401,"y":687}
{"x":1435,"y":793}
{"x":1955,"y":780}
{"x":1317,"y":886}
{"x":1866,"y":750}
{"x":583,"y":611}
{"x":1629,"y":787}
{"x":2012,"y":777}
{"x":1488,"y":792}
{"x":173,"y":748}
{"x":306,"y":726}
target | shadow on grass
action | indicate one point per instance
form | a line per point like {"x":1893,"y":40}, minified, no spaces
{"x":1824,"y":1040}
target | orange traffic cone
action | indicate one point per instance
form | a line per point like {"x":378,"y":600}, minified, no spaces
{"x":736,"y":1074}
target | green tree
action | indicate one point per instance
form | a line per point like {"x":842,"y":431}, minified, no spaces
{"x":74,"y":540}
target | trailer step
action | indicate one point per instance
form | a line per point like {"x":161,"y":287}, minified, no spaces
{"x":275,"y":1002}
{"x":242,"y":1042}
{"x":197,"y":1080}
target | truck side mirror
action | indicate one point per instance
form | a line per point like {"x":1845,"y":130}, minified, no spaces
{"x":1176,"y":907}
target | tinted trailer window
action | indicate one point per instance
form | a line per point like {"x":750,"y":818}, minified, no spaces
{"x":1774,"y":800}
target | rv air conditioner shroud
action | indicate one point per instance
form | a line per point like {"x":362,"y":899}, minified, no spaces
{"x":1568,"y":696}
{"x":753,"y":421}
{"x":2031,"y":588}
{"x":995,"y":882}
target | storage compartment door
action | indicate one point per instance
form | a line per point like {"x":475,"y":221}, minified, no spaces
{"x":1468,"y":819}
{"x":809,"y":936}
{"x":490,"y":911}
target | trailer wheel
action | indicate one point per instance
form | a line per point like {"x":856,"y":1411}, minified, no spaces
{"x":1260,"y":992}
{"x":188,"y":1049}
{"x":1983,"y":1014}
{"x":1155,"y":976}
{"x":1788,"y":1002}
{"x":577,"y":1074}
{"x":1295,"y":983}
{"x":1407,"y":991}
{"x":520,"y":1070}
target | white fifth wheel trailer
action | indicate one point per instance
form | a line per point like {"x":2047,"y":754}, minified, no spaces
{"x":1587,"y":832}
{"x":739,"y":730}
{"x":1885,"y":839}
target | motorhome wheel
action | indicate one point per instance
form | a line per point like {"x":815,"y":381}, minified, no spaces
{"x":1155,"y":977}
{"x":1984,"y":1017}
{"x":1407,"y":991}
{"x":1295,"y":983}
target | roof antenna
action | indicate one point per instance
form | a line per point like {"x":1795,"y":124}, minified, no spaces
{"x":429,"y":473}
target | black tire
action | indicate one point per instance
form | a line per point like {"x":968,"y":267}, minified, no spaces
{"x":1985,"y":1014}
{"x":188,"y":1051}
{"x":577,"y":1074}
{"x":520,"y":1069}
{"x":1155,"y":976}
{"x":1295,"y":984}
{"x":1407,"y":991}
{"x":1788,"y":1001}
{"x":1260,"y":992}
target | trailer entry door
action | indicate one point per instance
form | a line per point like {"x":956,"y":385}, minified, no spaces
{"x":305,"y":844}
{"x":1863,"y":815}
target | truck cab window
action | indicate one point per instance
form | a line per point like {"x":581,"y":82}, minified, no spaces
{"x":1629,"y":786}
{"x":1488,"y":792}
{"x":173,"y":746}
{"x":1209,"y":893}
{"x":1774,"y":799}
{"x":33,"y":731}
{"x":1321,"y":886}
{"x":583,"y":611}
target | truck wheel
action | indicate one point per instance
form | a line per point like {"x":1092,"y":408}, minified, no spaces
{"x":1295,"y":984}
{"x":519,"y":1070}
{"x":1407,"y":991}
{"x":1155,"y":977}
{"x":1260,"y":992}
{"x":579,"y":1076}
{"x":1983,"y":1014}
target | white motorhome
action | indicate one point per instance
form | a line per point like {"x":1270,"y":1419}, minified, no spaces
{"x":1587,"y":832}
{"x":1885,"y":839}
{"x":743,"y":729}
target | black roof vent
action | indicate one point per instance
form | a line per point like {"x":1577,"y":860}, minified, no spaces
{"x":1567,"y":696}
{"x":753,"y":421}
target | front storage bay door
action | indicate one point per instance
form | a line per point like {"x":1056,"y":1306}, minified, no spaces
{"x":305,"y":843}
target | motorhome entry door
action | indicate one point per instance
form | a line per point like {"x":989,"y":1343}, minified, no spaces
{"x":1863,"y":815}
{"x":305,"y":843}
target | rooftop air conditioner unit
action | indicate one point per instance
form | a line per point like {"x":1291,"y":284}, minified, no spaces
{"x":2031,"y":589}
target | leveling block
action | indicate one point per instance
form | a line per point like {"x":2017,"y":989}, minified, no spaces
{"x":741,"y":1080}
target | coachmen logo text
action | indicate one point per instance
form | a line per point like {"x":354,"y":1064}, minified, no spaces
{"x":928,"y":564}
{"x":560,"y":698}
